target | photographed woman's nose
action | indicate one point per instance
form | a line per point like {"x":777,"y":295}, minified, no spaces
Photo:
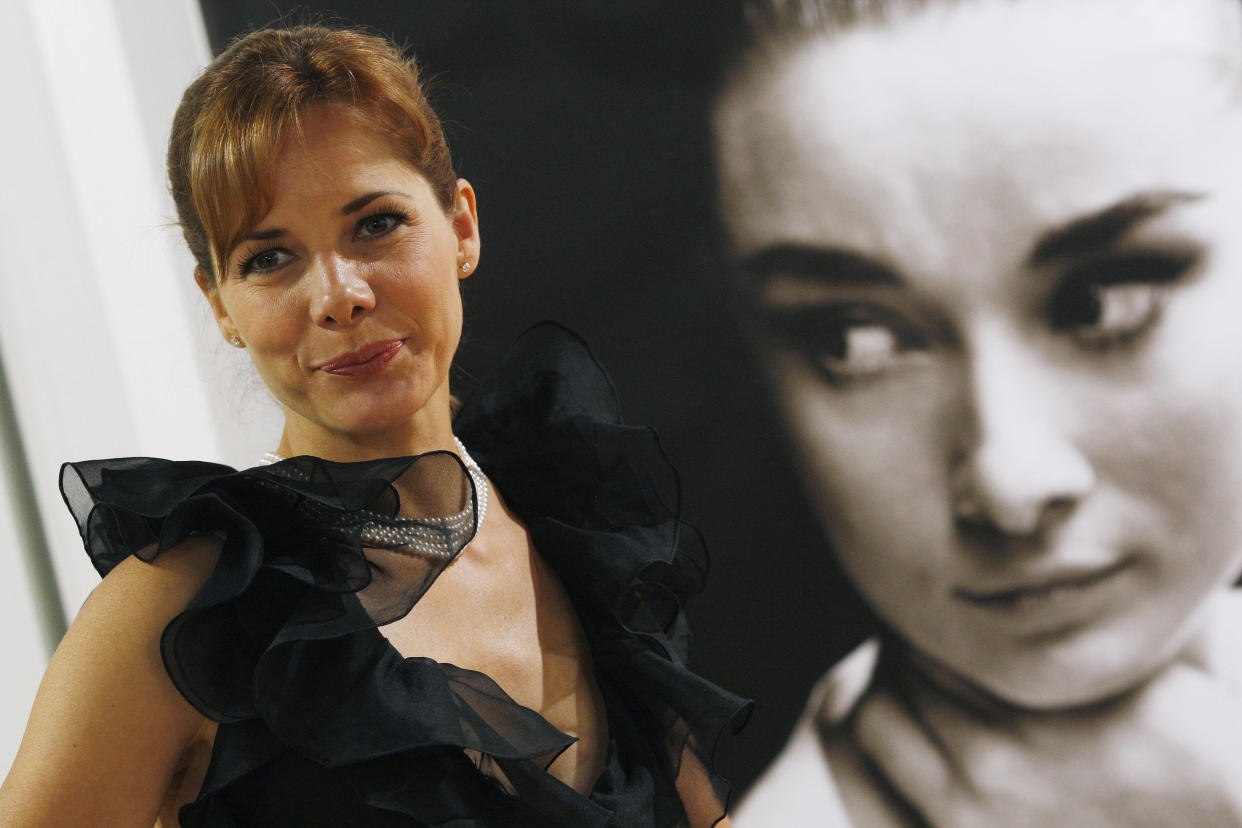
{"x":1018,"y":469}
{"x":341,"y":293}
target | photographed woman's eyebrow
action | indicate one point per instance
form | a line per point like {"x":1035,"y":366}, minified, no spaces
{"x":830,"y":266}
{"x":1102,"y":229}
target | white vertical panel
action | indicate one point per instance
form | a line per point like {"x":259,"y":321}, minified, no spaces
{"x":108,"y":349}
{"x":119,"y":195}
{"x":30,"y":613}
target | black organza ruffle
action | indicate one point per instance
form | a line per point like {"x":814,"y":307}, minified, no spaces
{"x":322,"y":721}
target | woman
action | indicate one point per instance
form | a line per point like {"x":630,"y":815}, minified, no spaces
{"x":989,"y":252}
{"x":348,"y":639}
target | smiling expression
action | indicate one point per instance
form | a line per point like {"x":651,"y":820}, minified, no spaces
{"x":991,"y":255}
{"x":346,"y":291}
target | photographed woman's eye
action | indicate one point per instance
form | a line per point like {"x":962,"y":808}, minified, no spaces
{"x":861,"y":349}
{"x":264,"y":261}
{"x":850,"y":342}
{"x":378,"y":224}
{"x":1118,"y":299}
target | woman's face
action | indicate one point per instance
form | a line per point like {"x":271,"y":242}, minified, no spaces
{"x":346,"y":292}
{"x":994,"y":257}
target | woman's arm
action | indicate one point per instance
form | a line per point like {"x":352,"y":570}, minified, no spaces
{"x":698,"y":796}
{"x":108,"y":728}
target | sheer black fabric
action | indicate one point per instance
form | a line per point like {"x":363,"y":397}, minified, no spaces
{"x":322,"y":721}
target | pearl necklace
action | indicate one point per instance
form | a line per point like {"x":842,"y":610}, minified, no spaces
{"x":407,"y":535}
{"x":481,"y":490}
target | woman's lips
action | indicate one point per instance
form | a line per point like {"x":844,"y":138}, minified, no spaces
{"x":366,"y":361}
{"x":1034,"y":594}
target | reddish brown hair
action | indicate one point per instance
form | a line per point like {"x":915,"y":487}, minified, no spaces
{"x":231,"y":120}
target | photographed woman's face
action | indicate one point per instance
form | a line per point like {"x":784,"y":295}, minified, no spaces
{"x":345,"y":293}
{"x":994,"y":258}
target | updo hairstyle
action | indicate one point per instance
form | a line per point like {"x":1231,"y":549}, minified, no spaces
{"x":232,"y":119}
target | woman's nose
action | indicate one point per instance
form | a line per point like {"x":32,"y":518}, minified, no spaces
{"x":1018,"y":467}
{"x":341,"y":294}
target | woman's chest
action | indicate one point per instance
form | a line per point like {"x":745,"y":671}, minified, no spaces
{"x":504,"y":613}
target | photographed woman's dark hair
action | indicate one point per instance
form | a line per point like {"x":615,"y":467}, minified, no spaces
{"x":791,"y":18}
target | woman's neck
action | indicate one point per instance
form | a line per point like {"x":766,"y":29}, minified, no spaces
{"x":906,"y":664}
{"x":1214,"y":648}
{"x":426,"y":431}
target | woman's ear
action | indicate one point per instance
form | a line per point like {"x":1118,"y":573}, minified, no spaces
{"x":465,"y":220}
{"x":207,"y":284}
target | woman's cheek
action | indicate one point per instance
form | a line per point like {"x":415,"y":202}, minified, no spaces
{"x":872,"y":462}
{"x":1183,"y":420}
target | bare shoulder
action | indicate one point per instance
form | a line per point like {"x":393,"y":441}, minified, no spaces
{"x":108,"y":729}
{"x":184,"y":566}
{"x":132,"y":605}
{"x":129,"y":608}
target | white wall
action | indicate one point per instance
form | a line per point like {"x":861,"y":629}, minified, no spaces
{"x":30,"y":608}
{"x":107,"y":348}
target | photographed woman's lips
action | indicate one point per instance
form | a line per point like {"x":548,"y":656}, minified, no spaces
{"x":366,"y":361}
{"x":1055,"y":596}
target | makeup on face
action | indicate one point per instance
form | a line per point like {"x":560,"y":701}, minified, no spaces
{"x":347,"y":294}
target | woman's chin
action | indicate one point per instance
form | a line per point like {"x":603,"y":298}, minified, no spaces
{"x":1106,"y":664}
{"x":1043,"y":680}
{"x":1052,"y":686}
{"x":1067,"y":694}
{"x":372,"y":416}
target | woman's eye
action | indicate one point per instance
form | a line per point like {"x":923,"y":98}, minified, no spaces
{"x":850,"y":343}
{"x":1108,"y":313}
{"x":377,"y":225}
{"x":265,"y":261}
{"x":1116,"y":301}
{"x":859,"y":350}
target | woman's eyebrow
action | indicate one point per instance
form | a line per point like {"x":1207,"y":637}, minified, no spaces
{"x":352,"y":207}
{"x":362,"y":201}
{"x":264,"y":235}
{"x":1104,"y":228}
{"x":831,"y":265}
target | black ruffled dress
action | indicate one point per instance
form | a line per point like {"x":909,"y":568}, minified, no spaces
{"x":322,"y":722}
